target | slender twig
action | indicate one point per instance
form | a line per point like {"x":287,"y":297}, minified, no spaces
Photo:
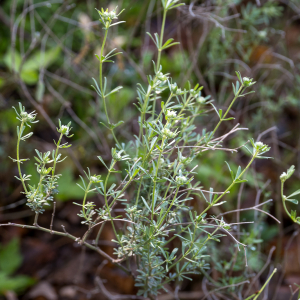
{"x":52,"y":218}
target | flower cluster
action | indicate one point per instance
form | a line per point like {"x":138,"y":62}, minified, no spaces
{"x":248,"y":81}
{"x":181,"y":180}
{"x":162,"y":77}
{"x":171,"y":114}
{"x":25,"y":117}
{"x":44,"y":171}
{"x":64,"y":129}
{"x":106,"y":17}
{"x":168,"y":134}
{"x":174,"y":89}
{"x":95,"y":179}
{"x":286,"y":175}
{"x":260,"y":148}
{"x":117,"y":155}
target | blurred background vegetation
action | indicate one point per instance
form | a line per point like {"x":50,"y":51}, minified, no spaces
{"x":47,"y":63}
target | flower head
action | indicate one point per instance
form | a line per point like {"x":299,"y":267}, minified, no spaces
{"x":201,"y":100}
{"x":169,"y":4}
{"x":25,"y":117}
{"x":185,"y":160}
{"x":260,"y":148}
{"x":64,"y":129}
{"x":44,"y":171}
{"x":95,"y":178}
{"x":171,"y":114}
{"x":174,"y":89}
{"x":106,"y":17}
{"x":117,"y":155}
{"x":162,"y":77}
{"x":181,"y":180}
{"x":167,"y":133}
{"x":286,"y":175}
{"x":262,"y":34}
{"x":248,"y":81}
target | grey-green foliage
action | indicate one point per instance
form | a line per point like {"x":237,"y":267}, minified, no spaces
{"x":159,"y":179}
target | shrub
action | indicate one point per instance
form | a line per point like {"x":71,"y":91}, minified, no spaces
{"x":159,"y":186}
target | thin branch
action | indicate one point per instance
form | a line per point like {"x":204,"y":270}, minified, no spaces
{"x":52,"y":218}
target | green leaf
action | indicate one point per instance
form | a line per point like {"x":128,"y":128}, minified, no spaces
{"x":114,"y":91}
{"x":220,"y":203}
{"x":16,"y":283}
{"x":67,"y":188}
{"x":239,"y":170}
{"x":152,"y":39}
{"x":169,"y":41}
{"x":10,"y":257}
{"x":220,"y":113}
{"x":146,"y":204}
{"x":41,"y":59}
{"x":8,"y":60}
{"x":293,"y":215}
{"x":39,"y":94}
{"x":292,"y":200}
{"x":29,"y":76}
{"x":231,"y":172}
{"x":233,"y":87}
{"x":294,"y":194}
{"x":113,"y":126}
{"x":241,"y":180}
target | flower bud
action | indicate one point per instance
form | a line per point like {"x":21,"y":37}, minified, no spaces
{"x":181,"y":180}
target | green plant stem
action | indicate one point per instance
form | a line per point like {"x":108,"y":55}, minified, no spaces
{"x":227,"y":111}
{"x":153,"y":106}
{"x":170,"y":97}
{"x":143,"y":113}
{"x":169,"y":185}
{"x":161,"y":39}
{"x":55,"y":158}
{"x":143,"y":162}
{"x":18,"y":157}
{"x":99,"y":233}
{"x":123,"y":189}
{"x":229,"y":188}
{"x":84,"y":198}
{"x":101,"y":54}
{"x":256,"y":295}
{"x":39,"y":185}
{"x":101,"y":86}
{"x":106,"y":203}
{"x":155,"y":178}
{"x":165,"y":215}
{"x":188,"y":252}
{"x":157,"y":69}
{"x":138,"y":193}
{"x":35,"y":223}
{"x":174,"y":237}
{"x":159,"y":55}
{"x":284,"y":201}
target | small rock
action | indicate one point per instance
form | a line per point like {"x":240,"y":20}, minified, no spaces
{"x":43,"y":289}
{"x":68,"y":292}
